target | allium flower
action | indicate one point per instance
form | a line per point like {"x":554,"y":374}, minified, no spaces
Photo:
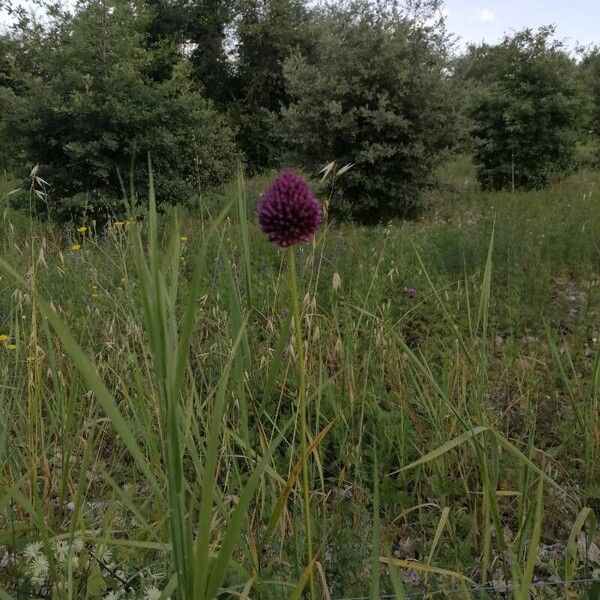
{"x":410,"y":292}
{"x":289,"y":212}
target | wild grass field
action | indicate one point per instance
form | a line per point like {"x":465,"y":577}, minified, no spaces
{"x":151,"y":422}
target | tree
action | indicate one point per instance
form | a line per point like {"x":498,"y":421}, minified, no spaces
{"x":91,"y":107}
{"x":590,"y":75}
{"x":196,"y":29}
{"x":375,"y":94}
{"x":268,"y":32}
{"x":7,"y":97}
{"x":526,"y":111}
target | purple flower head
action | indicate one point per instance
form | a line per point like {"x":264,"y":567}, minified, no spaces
{"x":410,"y":292}
{"x":289,"y":212}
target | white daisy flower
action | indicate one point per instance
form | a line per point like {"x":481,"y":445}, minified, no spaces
{"x":33,"y":550}
{"x":78,"y":545}
{"x":152,"y":593}
{"x":38,"y":569}
{"x":103,"y":553}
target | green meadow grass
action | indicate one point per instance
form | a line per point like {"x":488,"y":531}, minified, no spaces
{"x":151,"y":434}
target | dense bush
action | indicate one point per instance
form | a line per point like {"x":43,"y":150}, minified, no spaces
{"x":268,"y":32}
{"x":7,"y":98}
{"x":86,"y":95}
{"x":526,"y":112}
{"x":7,"y":159}
{"x":374,"y":93}
{"x":91,"y":108}
{"x":590,"y":75}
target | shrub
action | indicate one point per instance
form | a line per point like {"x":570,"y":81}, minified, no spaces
{"x":590,"y":76}
{"x":89,"y":119}
{"x":373,"y":93}
{"x":7,"y":98}
{"x":526,"y":112}
{"x":6,"y":146}
{"x":268,"y":32}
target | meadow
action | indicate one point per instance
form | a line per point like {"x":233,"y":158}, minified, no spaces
{"x":151,"y":435}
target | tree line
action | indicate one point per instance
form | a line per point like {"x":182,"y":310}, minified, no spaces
{"x":87,"y":93}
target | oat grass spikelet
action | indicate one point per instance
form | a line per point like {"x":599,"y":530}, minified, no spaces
{"x":289,"y":212}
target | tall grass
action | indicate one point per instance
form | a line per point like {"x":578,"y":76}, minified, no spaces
{"x":179,"y":425}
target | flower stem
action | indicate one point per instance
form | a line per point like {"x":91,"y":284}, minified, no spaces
{"x":302,"y":401}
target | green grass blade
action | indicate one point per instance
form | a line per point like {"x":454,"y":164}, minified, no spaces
{"x":202,"y":546}
{"x":376,"y":542}
{"x":524,"y":590}
{"x":571,"y":550}
{"x":244,"y":240}
{"x":91,"y":377}
{"x":449,"y":445}
{"x":234,"y":526}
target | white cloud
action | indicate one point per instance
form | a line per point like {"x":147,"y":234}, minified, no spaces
{"x":484,"y":14}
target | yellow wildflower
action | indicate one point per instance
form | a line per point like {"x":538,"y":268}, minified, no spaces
{"x":76,"y":247}
{"x":183,"y":238}
{"x":11,"y":346}
{"x":3,"y":337}
{"x":82,"y":229}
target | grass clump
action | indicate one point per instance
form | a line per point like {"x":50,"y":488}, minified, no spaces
{"x":150,"y":437}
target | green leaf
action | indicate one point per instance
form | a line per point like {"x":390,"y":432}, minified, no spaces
{"x":96,"y":585}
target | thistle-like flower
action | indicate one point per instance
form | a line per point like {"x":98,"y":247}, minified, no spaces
{"x":38,"y":569}
{"x":289,"y":212}
{"x":103,"y":553}
{"x":33,"y":550}
{"x":410,"y":292}
{"x":152,"y":593}
{"x":61,"y":551}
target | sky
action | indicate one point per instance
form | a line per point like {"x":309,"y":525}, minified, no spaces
{"x":577,"y":21}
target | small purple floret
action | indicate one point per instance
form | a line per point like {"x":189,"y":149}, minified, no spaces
{"x":289,"y":212}
{"x":410,"y":292}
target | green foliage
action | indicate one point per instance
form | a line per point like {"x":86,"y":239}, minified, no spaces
{"x":198,"y":29}
{"x":151,"y":422}
{"x":527,"y":110}
{"x":92,"y":108}
{"x":7,"y":99}
{"x":590,"y":74}
{"x":268,"y":32}
{"x":374,"y":94}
